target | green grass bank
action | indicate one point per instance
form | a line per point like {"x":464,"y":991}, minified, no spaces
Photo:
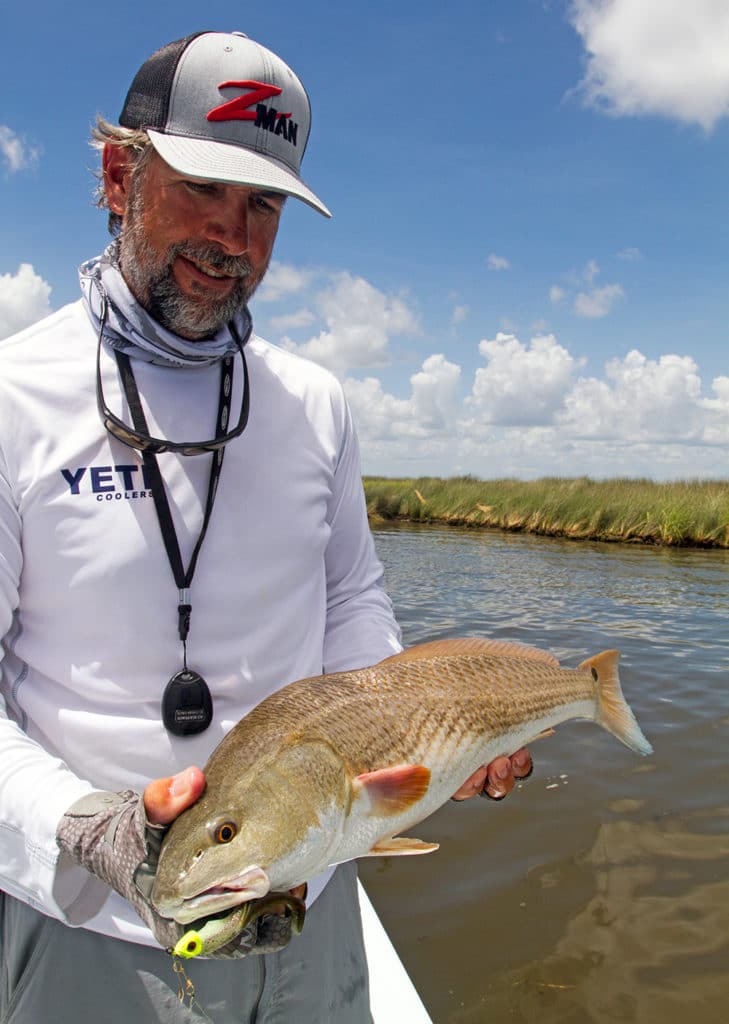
{"x":686,"y":513}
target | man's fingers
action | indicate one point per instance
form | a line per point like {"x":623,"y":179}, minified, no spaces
{"x":165,"y":798}
{"x":498,"y":778}
{"x":521,"y":764}
{"x":504,"y":772}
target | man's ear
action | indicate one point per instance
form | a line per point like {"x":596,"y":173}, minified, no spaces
{"x":117,"y":170}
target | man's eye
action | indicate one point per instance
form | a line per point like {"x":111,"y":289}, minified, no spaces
{"x":264,"y":204}
{"x":200,"y":187}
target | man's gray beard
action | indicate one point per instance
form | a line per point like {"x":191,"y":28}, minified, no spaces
{"x":149,"y":276}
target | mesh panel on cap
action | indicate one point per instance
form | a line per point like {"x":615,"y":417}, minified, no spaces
{"x":148,"y":98}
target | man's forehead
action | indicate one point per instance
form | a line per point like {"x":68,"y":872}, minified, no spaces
{"x":172,"y":173}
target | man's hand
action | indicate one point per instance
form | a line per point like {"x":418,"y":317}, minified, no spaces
{"x":497,"y":779}
{"x":117,"y":837}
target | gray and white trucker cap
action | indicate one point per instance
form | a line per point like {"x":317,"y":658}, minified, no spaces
{"x":221,"y":107}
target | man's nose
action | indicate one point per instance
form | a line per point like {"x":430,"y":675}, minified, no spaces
{"x":228,"y":226}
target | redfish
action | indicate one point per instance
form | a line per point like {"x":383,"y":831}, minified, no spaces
{"x":338,"y":766}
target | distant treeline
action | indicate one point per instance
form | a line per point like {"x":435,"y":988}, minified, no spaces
{"x":690,"y":513}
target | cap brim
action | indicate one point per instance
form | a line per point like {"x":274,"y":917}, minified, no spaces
{"x":234,"y":165}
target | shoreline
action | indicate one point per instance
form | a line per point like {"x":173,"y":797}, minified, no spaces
{"x":687,"y":514}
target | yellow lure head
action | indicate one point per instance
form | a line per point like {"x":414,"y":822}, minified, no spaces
{"x":190,"y":945}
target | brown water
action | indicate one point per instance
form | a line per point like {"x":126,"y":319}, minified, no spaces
{"x":599,"y":891}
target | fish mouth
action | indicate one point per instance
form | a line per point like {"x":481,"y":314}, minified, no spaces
{"x":251,"y":884}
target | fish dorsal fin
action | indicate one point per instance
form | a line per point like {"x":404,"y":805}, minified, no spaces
{"x":400,"y":846}
{"x":472,"y":645}
{"x":392,"y":790}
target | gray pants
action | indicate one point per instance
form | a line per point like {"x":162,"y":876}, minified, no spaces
{"x":52,"y":974}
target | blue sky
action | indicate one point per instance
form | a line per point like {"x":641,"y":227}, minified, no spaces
{"x":526,"y":271}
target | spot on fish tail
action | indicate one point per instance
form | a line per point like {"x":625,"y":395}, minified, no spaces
{"x":612,"y":710}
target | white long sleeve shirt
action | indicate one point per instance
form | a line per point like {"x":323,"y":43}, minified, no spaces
{"x":287,"y":584}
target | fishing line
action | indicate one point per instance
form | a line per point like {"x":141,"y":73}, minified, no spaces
{"x":186,"y":989}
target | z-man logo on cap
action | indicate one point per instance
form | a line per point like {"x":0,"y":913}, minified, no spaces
{"x":265,"y":117}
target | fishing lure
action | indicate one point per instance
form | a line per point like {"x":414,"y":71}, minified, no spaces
{"x":219,"y":931}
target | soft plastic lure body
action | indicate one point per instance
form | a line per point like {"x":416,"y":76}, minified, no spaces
{"x":218,"y":931}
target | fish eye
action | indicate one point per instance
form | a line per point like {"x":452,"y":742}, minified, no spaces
{"x":224,"y":832}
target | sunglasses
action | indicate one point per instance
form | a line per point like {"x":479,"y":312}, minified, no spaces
{"x":141,"y":440}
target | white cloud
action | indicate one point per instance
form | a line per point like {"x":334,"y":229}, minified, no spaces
{"x":720,"y":404}
{"x":290,"y":321}
{"x":590,"y":300}
{"x":597,"y":302}
{"x":664,"y":57}
{"x":15,"y":152}
{"x":592,"y":269}
{"x":527,"y":410}
{"x":283,"y":280}
{"x":435,"y":393}
{"x":498,"y":262}
{"x":379,"y":416}
{"x":521,"y":385}
{"x":359,"y":321}
{"x":530,"y":414}
{"x":23,"y":299}
{"x":716,"y":430}
{"x":630,"y":253}
{"x":430,"y":412}
{"x":459,"y":314}
{"x":645,"y":400}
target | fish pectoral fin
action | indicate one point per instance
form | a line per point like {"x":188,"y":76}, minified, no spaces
{"x":401,"y":846}
{"x":393,"y":790}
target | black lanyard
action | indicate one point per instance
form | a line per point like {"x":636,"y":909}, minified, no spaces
{"x":183,"y":577}
{"x":187,"y":704}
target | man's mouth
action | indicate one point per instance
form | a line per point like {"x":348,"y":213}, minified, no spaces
{"x":210,"y":272}
{"x":204,"y":274}
{"x":207,"y":271}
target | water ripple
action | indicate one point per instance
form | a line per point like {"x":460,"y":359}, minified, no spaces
{"x":600,"y":891}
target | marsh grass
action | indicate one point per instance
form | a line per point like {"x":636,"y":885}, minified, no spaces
{"x":689,"y":513}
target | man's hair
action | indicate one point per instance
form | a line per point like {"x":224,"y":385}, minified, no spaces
{"x":136,"y":140}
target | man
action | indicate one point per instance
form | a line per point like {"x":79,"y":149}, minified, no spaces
{"x":130,"y":646}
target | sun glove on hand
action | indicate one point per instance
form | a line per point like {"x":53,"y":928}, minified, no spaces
{"x":109,"y":835}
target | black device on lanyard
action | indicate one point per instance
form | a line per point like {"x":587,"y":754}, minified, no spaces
{"x":187,"y":704}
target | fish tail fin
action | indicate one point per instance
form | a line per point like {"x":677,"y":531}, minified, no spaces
{"x":613,"y":712}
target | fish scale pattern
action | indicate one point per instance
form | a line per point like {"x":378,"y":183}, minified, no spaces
{"x":412,"y":705}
